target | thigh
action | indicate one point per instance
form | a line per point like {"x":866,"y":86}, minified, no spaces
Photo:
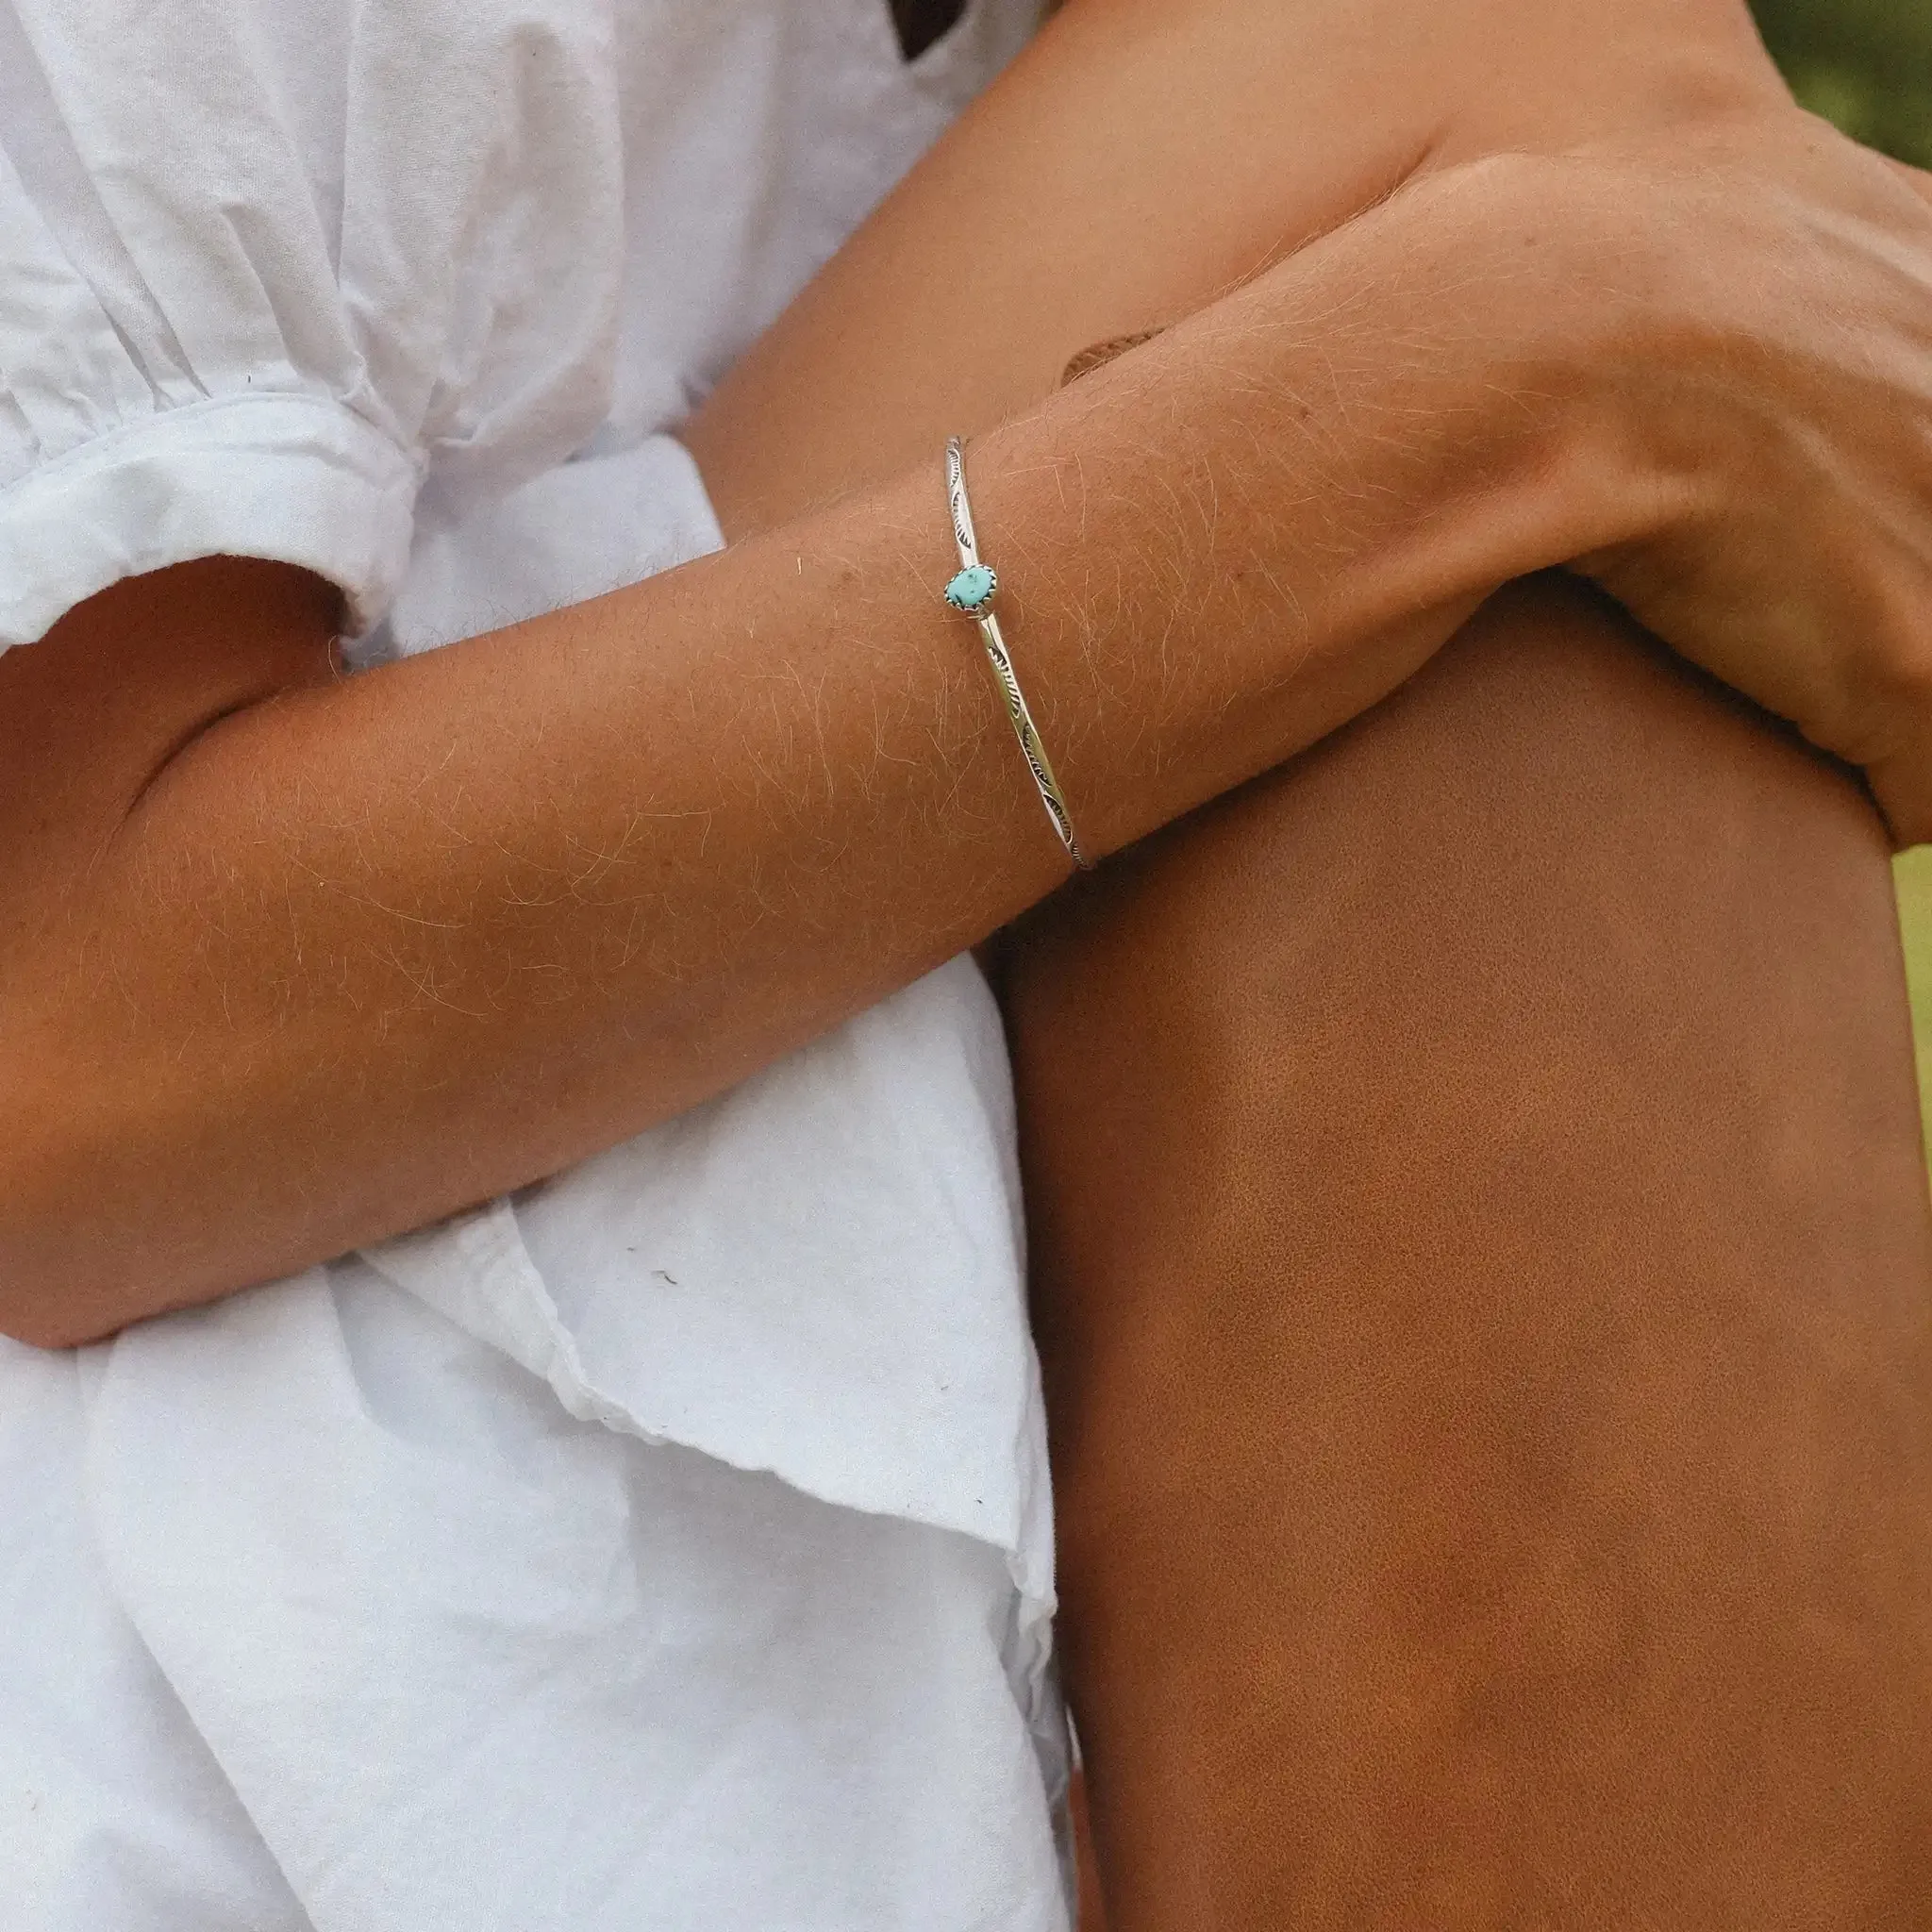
{"x":1483,"y":1274}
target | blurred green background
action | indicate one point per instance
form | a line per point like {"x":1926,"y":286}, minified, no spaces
{"x":1867,"y":64}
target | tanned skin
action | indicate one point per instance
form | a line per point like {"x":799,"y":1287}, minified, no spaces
{"x":1480,"y":1248}
{"x":291,"y":962}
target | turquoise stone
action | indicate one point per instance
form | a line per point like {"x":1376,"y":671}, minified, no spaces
{"x":972,"y":589}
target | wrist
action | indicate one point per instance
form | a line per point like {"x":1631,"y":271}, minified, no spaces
{"x":1304,"y":490}
{"x":1579,"y":335}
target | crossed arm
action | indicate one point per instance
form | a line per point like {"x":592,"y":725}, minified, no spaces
{"x":1478,"y":1249}
{"x":633,"y":850}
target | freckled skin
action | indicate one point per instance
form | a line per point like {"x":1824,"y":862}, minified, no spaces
{"x":1359,"y":1220}
{"x":1497,"y":1506}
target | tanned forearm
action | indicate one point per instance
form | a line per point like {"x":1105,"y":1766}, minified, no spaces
{"x":383,"y":946}
{"x":365,"y":951}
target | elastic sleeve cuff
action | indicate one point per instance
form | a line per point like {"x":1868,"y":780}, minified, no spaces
{"x":574,"y":532}
{"x":289,"y":479}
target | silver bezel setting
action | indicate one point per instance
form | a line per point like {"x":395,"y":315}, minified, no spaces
{"x":978,"y":610}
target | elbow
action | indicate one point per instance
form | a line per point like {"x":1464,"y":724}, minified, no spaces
{"x":59,"y":1286}
{"x":37,"y":1311}
{"x":95,"y":1233}
{"x":43,"y":1330}
{"x":69,"y":1280}
{"x":42,"y":1303}
{"x":29,"y":1306}
{"x":48,"y":1303}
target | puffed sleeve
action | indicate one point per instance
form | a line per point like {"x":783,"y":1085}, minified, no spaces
{"x":268,"y":265}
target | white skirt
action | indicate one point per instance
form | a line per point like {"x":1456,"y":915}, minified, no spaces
{"x":332,"y":1608}
{"x":668,"y":1546}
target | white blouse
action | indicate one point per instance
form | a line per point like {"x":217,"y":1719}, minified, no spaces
{"x":668,"y":1545}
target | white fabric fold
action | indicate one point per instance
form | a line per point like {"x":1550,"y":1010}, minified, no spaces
{"x":469,"y":1662}
{"x":860,"y":1368}
{"x":668,"y":1546}
{"x":293,"y":478}
{"x":575,"y":531}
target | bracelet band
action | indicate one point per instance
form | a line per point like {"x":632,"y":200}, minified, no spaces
{"x":971,"y":593}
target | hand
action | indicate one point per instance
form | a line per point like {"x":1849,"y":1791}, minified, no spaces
{"x":1777,"y":281}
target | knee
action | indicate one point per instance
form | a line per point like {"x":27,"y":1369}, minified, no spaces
{"x":1559,"y":946}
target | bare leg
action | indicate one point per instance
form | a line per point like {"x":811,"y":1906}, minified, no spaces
{"x":1481,"y":1245}
{"x":1483,"y":1269}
